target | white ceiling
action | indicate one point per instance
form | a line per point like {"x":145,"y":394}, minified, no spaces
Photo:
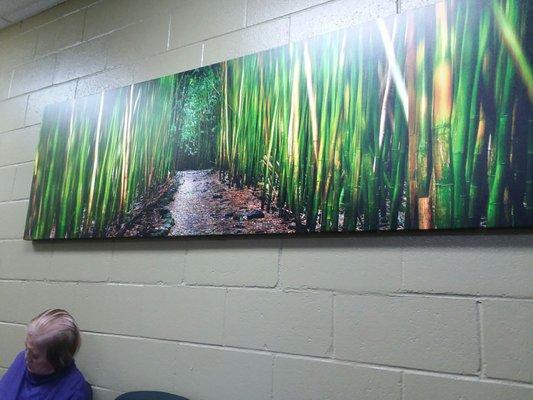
{"x":12,"y":11}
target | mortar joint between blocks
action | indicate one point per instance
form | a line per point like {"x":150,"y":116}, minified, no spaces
{"x":402,"y":394}
{"x":272,"y":376}
{"x":479,"y":307}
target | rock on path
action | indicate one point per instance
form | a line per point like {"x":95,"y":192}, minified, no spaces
{"x":203,"y":205}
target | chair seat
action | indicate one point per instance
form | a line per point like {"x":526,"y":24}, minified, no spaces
{"x":149,"y":396}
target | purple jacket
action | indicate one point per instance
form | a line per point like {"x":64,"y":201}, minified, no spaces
{"x":20,"y":384}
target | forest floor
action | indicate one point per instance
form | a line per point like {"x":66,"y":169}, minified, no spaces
{"x":203,"y":205}
{"x":198,"y":203}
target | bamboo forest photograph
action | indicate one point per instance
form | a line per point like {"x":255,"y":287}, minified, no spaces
{"x":420,"y":121}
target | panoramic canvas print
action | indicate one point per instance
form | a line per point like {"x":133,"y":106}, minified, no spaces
{"x":420,"y":121}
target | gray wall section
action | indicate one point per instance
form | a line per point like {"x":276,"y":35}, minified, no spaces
{"x":369,"y":317}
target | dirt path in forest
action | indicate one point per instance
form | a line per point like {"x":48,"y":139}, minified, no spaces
{"x":203,"y":205}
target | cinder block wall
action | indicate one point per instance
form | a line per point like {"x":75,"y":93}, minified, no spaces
{"x":399,"y":317}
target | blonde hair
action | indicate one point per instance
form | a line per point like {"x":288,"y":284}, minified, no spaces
{"x":57,"y":331}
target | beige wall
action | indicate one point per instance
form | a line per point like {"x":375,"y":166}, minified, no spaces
{"x":411,"y":317}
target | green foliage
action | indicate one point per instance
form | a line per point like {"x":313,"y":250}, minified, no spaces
{"x":389,"y":128}
{"x":99,"y":154}
{"x":198,"y":119}
{"x":424,"y":121}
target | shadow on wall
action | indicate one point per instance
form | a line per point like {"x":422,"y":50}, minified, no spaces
{"x":497,"y":238}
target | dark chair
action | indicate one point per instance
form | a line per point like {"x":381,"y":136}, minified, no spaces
{"x":149,"y":396}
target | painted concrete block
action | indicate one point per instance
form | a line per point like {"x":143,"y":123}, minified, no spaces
{"x":12,"y":342}
{"x":54,"y":13}
{"x":217,"y":18}
{"x":148,"y":262}
{"x":168,"y":63}
{"x":127,"y":364}
{"x":507,"y":332}
{"x":13,"y":112}
{"x":183,"y":313}
{"x":188,"y":370}
{"x":7,"y":178}
{"x":33,"y":76}
{"x":337,"y":15}
{"x":21,"y":259}
{"x":475,"y":265}
{"x":258,"y":11}
{"x":107,"y":16}
{"x":247,"y":41}
{"x":13,"y":217}
{"x":17,"y":49}
{"x":5,"y":83}
{"x":427,"y":333}
{"x":80,"y":261}
{"x":354,"y":264}
{"x":137,"y":41}
{"x":107,"y":80}
{"x":116,"y":302}
{"x":162,"y":312}
{"x":243,"y":263}
{"x":19,"y":146}
{"x":82,"y":60}
{"x":218,"y":373}
{"x":305,"y":379}
{"x":39,"y":100}
{"x":61,"y":33}
{"x":22,"y":183}
{"x":271,"y":320}
{"x":14,"y":310}
{"x":423,"y":387}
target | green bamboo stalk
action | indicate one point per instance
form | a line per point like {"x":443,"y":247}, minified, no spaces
{"x":460,"y":116}
{"x":505,"y":75}
{"x":442,"y":110}
{"x":423,"y":165}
